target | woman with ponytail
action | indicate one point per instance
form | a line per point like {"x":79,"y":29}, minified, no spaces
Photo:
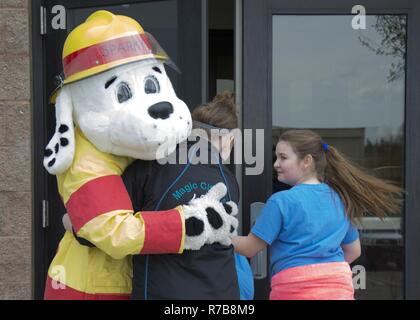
{"x":310,"y":228}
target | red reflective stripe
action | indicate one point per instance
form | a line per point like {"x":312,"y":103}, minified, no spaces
{"x":64,"y":292}
{"x":96,"y":197}
{"x":106,"y":52}
{"x":163,"y":232}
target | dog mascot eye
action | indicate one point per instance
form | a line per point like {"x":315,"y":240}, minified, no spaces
{"x":151,"y":85}
{"x":123,"y":92}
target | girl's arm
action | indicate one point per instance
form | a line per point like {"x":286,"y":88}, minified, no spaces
{"x":352,"y":251}
{"x":248,"y":246}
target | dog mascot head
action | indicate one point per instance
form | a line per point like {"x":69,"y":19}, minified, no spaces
{"x":117,"y":92}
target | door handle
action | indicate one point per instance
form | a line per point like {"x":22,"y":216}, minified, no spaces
{"x":259,"y":261}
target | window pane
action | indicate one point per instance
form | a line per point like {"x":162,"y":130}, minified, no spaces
{"x":349,"y":86}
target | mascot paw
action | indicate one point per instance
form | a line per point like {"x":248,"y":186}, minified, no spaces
{"x":207,"y":220}
{"x":232,"y":209}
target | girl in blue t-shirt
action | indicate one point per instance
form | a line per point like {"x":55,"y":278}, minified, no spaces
{"x":310,"y":227}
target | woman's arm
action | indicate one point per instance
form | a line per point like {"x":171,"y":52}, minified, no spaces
{"x":352,"y":251}
{"x":248,"y":246}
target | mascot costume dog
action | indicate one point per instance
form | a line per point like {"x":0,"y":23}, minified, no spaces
{"x":117,"y":104}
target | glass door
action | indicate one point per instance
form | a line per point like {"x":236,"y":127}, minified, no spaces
{"x":351,"y":86}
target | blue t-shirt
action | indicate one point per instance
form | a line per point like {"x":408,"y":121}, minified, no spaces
{"x":304,"y":225}
{"x":245,"y":277}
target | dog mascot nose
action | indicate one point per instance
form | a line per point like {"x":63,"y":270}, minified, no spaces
{"x":161,"y":110}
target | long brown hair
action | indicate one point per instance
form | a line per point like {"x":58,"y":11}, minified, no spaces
{"x":360,"y":191}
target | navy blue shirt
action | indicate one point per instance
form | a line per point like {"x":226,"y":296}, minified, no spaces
{"x":208,"y":273}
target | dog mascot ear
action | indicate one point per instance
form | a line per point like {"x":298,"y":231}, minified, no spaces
{"x":59,"y":152}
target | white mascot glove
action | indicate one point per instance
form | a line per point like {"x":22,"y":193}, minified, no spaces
{"x":207,"y":220}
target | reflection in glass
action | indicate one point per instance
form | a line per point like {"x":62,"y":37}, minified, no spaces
{"x":349,"y":86}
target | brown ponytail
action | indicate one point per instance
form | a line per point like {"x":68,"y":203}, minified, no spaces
{"x":360,"y":192}
{"x":220,"y":112}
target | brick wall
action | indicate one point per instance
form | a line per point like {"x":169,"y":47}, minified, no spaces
{"x":15,"y":151}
